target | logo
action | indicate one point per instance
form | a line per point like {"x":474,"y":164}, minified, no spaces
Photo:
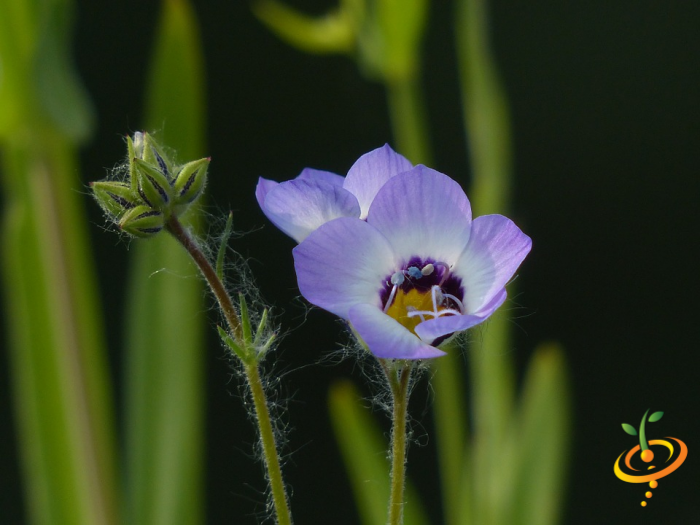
{"x":670,"y":453}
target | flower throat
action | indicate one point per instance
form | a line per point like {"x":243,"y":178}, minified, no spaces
{"x":422,"y":290}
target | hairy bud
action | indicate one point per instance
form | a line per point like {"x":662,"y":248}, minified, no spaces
{"x":115,"y":198}
{"x":190,"y":181}
{"x":142,"y":221}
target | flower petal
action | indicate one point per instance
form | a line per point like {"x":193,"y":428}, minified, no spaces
{"x":495,"y":250}
{"x":313,"y":174}
{"x":423,"y":213}
{"x":263,"y":188}
{"x":386,"y":338}
{"x":371,"y":171}
{"x":432,"y":329}
{"x":343,"y":263}
{"x":298,"y":207}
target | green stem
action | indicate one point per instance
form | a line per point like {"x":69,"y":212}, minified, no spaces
{"x":217,"y":287}
{"x":399,"y":382}
{"x":408,"y":120}
{"x":267,"y":436}
{"x":262,"y":411}
{"x":642,"y":433}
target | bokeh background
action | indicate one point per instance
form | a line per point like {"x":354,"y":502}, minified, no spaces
{"x":606,"y":122}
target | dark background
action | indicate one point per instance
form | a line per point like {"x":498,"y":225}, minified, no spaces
{"x":606,"y":120}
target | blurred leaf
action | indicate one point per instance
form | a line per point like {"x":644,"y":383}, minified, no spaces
{"x":332,"y":33}
{"x":450,"y":409}
{"x":59,"y":370}
{"x":400,"y":26}
{"x":541,"y":438}
{"x":58,"y":86}
{"x":629,"y":429}
{"x":18,"y":35}
{"x":165,"y":351}
{"x":493,"y":397}
{"x":365,"y":454}
{"x":486,"y":121}
{"x":485,"y":111}
{"x":656,"y":416}
{"x":61,"y":385}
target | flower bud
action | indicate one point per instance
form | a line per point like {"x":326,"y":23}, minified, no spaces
{"x":142,"y":221}
{"x":153,"y":154}
{"x":190,"y":181}
{"x":115,"y":198}
{"x":153,"y":185}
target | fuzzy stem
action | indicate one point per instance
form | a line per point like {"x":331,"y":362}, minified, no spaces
{"x":399,"y":383}
{"x":217,"y":287}
{"x":252,"y":373}
{"x":267,"y":436}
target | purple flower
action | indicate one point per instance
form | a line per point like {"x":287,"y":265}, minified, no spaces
{"x":408,"y":271}
{"x":299,"y":206}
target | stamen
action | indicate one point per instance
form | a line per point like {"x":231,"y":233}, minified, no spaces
{"x":447,"y":311}
{"x":428,"y":269}
{"x":414,"y":272}
{"x":391,"y":298}
{"x":437,"y":297}
{"x":412,"y":312}
{"x":445,"y":274}
{"x":453,"y":298}
{"x":397,"y":280}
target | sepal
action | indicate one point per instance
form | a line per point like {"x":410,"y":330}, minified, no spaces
{"x":115,"y":198}
{"x":142,"y":221}
{"x":190,"y":182}
{"x":154,"y":186}
{"x":153,"y":154}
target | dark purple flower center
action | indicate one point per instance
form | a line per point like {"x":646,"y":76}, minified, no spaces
{"x":420,"y":290}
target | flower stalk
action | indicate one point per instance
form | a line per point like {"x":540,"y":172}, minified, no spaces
{"x":399,"y":381}
{"x":244,"y":347}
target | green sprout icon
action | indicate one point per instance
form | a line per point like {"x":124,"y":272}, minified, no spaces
{"x":647,"y":454}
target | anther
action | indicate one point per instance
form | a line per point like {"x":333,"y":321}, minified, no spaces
{"x":428,"y":269}
{"x":397,"y":279}
{"x":414,"y":272}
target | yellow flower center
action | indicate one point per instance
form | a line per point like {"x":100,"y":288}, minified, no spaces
{"x":413,"y":300}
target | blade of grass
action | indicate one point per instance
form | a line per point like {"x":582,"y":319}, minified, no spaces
{"x":60,"y":379}
{"x":364,"y":451}
{"x":541,"y":440}
{"x":165,"y":351}
{"x":486,"y":120}
{"x":57,"y":352}
{"x":453,"y":449}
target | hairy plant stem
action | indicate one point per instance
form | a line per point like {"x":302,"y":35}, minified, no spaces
{"x":252,"y":373}
{"x":399,"y":379}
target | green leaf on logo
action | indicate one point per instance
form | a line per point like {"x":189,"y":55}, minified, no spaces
{"x":629,"y":429}
{"x":656,"y":416}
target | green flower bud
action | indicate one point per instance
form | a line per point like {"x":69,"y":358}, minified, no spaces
{"x":142,"y":221}
{"x":190,"y":182}
{"x":152,"y":153}
{"x":154,"y":186}
{"x":115,"y":198}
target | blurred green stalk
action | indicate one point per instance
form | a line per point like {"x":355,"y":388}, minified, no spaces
{"x":165,"y":352}
{"x":57,"y":354}
{"x":499,"y":448}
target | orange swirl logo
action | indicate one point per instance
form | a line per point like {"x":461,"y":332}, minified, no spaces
{"x":673,"y":453}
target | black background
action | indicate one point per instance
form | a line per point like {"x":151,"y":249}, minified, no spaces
{"x":606,"y":120}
